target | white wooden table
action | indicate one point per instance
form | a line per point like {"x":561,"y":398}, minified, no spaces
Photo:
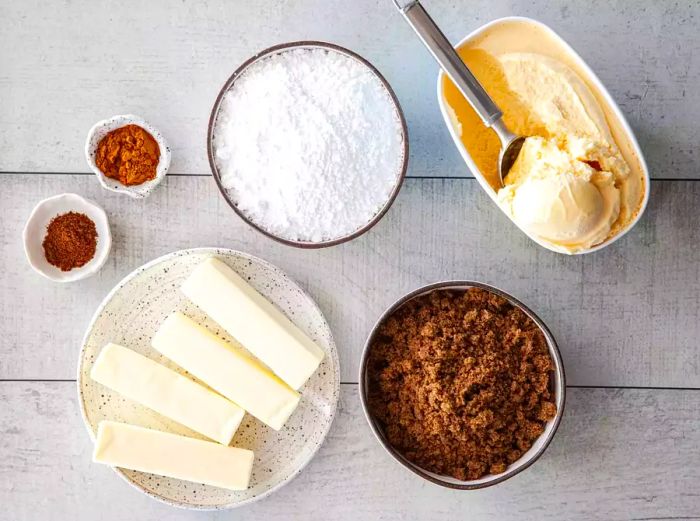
{"x":627,"y":318}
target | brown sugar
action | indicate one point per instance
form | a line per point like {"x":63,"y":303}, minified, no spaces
{"x":459,"y":381}
{"x":128,"y":154}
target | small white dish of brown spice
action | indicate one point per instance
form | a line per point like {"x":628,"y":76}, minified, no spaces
{"x":462,"y":384}
{"x":128,"y":155}
{"x":67,"y":238}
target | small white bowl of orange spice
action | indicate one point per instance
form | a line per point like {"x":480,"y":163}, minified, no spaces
{"x":128,"y":155}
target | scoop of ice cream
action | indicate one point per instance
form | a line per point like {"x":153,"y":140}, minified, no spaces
{"x":559,"y":198}
{"x":562,"y":209}
{"x":546,"y":99}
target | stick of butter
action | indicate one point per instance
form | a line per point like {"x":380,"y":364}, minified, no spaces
{"x":168,"y":393}
{"x":227,"y":368}
{"x":166,"y":454}
{"x":254,"y":321}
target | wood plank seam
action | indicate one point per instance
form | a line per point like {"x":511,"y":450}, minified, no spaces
{"x":622,"y":387}
{"x":408,"y":176}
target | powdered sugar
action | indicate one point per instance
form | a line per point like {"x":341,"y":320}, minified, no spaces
{"x":309,"y":144}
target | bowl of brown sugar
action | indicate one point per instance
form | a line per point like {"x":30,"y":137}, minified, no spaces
{"x":462,"y":384}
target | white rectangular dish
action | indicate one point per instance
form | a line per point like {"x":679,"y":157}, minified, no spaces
{"x":555,"y":47}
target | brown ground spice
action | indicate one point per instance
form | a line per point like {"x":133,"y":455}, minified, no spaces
{"x":460,"y":382}
{"x":70,"y":241}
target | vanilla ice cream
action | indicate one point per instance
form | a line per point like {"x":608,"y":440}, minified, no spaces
{"x":563,"y":186}
{"x":571,"y":186}
{"x":557,"y":197}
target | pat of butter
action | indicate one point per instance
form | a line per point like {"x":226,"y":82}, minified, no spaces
{"x":168,"y":393}
{"x":254,"y":321}
{"x":227,"y":368}
{"x":166,"y":454}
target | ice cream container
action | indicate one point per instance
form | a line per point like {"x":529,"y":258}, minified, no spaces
{"x":624,"y":136}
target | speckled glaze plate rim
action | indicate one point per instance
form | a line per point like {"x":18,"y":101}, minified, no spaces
{"x":332,"y":355}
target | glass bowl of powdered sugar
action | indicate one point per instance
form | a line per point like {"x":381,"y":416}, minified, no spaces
{"x":308,"y":144}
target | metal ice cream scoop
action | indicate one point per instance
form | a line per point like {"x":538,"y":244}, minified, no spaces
{"x":450,"y":62}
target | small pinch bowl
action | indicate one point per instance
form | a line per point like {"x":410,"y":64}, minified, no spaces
{"x":605,"y":100}
{"x":35,"y":231}
{"x":557,"y":384}
{"x":330,"y":47}
{"x":101,"y":129}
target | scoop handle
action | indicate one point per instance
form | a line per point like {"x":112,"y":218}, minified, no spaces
{"x":442,"y":50}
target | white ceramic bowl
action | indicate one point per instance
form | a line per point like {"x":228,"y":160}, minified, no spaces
{"x":101,"y":129}
{"x":35,"y":231}
{"x":589,"y":77}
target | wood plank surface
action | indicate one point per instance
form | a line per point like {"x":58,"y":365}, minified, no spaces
{"x":625,"y":316}
{"x":619,"y":455}
{"x":65,"y":67}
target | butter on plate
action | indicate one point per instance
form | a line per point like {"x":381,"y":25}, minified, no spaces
{"x":254,"y":321}
{"x":227,"y":368}
{"x":166,"y":454}
{"x":166,"y":392}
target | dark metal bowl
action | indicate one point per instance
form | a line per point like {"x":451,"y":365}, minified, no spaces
{"x":557,"y":381}
{"x":307,"y":45}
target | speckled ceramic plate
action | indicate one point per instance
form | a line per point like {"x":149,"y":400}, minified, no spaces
{"x":131,"y":314}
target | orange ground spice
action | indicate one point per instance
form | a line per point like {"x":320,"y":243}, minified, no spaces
{"x":128,"y":154}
